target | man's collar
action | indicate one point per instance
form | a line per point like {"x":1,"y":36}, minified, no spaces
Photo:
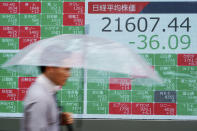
{"x":48,"y":84}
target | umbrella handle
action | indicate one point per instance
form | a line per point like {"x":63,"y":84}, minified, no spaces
{"x":70,"y":127}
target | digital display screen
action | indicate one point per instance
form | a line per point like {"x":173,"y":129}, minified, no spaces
{"x":162,"y":32}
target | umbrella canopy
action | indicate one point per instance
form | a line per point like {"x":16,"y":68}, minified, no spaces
{"x":82,"y":51}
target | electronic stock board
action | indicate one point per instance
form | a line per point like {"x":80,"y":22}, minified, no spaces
{"x":163,"y":32}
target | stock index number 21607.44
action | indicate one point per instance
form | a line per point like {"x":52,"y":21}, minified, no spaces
{"x":143,"y":24}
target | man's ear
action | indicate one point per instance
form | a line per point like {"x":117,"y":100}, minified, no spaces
{"x":49,"y":69}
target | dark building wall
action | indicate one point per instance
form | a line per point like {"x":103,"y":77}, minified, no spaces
{"x":13,"y":124}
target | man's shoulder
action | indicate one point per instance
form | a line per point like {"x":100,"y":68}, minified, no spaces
{"x":36,"y":93}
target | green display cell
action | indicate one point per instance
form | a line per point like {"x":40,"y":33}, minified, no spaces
{"x":30,"y":19}
{"x":52,"y":19}
{"x":142,"y":96}
{"x":8,"y":106}
{"x":9,"y":19}
{"x":20,"y":107}
{"x":97,"y":84}
{"x":33,"y":74}
{"x":74,"y":107}
{"x":186,"y":109}
{"x":150,"y":58}
{"x":8,"y":82}
{"x":97,"y":95}
{"x":187,"y":96}
{"x":10,"y":0}
{"x":72,"y":95}
{"x":142,"y":84}
{"x":187,"y":84}
{"x":97,"y":108}
{"x":167,"y":85}
{"x":5,"y":56}
{"x":52,"y":7}
{"x":168,"y":72}
{"x":49,"y":31}
{"x":5,"y":72}
{"x":79,"y":73}
{"x":9,"y":43}
{"x":119,"y":96}
{"x":166,"y":59}
{"x":29,"y":71}
{"x":105,"y":74}
{"x":73,"y":29}
{"x":98,"y":74}
{"x":74,"y":83}
{"x":187,"y":72}
{"x":118,"y":75}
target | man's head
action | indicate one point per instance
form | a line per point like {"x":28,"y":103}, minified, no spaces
{"x":58,"y":75}
{"x":53,"y":57}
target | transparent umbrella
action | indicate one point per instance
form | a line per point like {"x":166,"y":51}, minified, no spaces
{"x":81,"y":51}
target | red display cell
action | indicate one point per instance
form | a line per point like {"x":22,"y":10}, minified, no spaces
{"x":9,"y":7}
{"x":73,"y":19}
{"x":30,"y":31}
{"x":115,"y":7}
{"x":25,"y":82}
{"x":165,"y":109}
{"x":120,"y":84}
{"x":187,"y":60}
{"x":23,"y":42}
{"x":30,"y":7}
{"x":22,"y":94}
{"x":8,"y":94}
{"x":9,"y":31}
{"x":142,"y":108}
{"x":74,"y":7}
{"x":119,"y":108}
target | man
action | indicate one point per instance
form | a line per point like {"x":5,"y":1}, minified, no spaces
{"x":40,"y":107}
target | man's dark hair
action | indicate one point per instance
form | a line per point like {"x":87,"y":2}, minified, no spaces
{"x":42,"y":69}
